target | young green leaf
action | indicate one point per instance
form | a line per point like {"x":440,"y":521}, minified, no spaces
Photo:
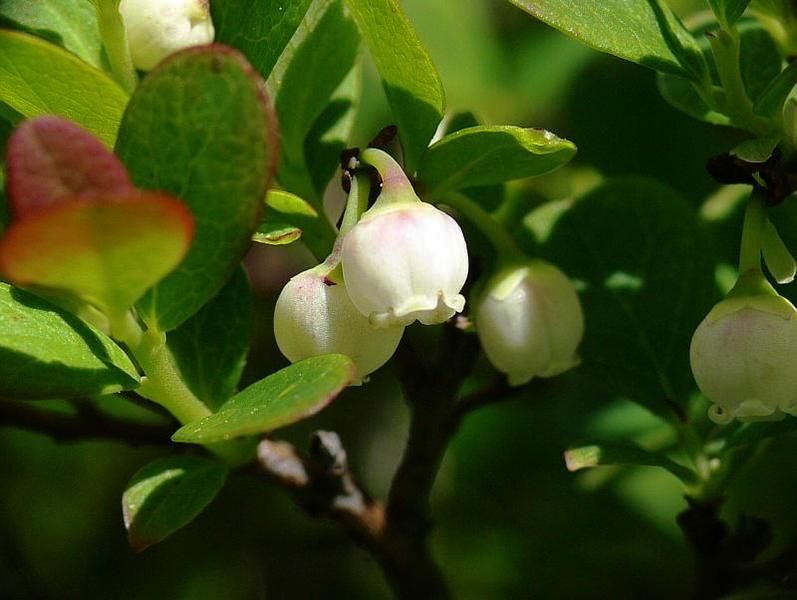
{"x":200,"y":126}
{"x":260,"y":30}
{"x":647,"y":282}
{"x":486,"y":155}
{"x":775,"y":93}
{"x":46,"y":352}
{"x":69,"y":23}
{"x":410,"y":79}
{"x":728,"y":11}
{"x":318,"y":67}
{"x":646,"y":32}
{"x":331,"y":131}
{"x":210,"y":348}
{"x":777,"y":257}
{"x":106,"y":249}
{"x":289,"y":395}
{"x":624,"y":453}
{"x":167,"y":494}
{"x":49,"y":158}
{"x":287,"y":217}
{"x":37,"y":78}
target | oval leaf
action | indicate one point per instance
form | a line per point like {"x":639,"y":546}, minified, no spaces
{"x":46,"y":352}
{"x":107,"y":250}
{"x":289,"y":395}
{"x":38,"y":78}
{"x":320,"y":64}
{"x":485,"y":155}
{"x":200,"y":126}
{"x":167,"y":494}
{"x":410,"y":79}
{"x":49,"y":158}
{"x":287,"y":216}
{"x":646,"y":32}
{"x":260,"y":30}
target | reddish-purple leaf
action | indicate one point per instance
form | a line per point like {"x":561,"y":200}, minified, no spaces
{"x":107,"y":249}
{"x":49,"y":158}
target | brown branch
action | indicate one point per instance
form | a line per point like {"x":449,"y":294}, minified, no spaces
{"x":87,"y":425}
{"x":323,"y":485}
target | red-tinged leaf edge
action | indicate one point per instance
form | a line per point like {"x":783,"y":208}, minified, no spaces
{"x":49,"y":159}
{"x":265,"y":99}
{"x":32,"y":247}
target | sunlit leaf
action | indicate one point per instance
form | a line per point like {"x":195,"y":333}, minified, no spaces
{"x":167,"y":494}
{"x":289,"y":395}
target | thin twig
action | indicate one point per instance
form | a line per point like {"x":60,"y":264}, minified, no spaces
{"x":72,"y":428}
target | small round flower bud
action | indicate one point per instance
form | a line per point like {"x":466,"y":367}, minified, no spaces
{"x":744,"y":356}
{"x":529,"y":321}
{"x":157,"y":28}
{"x":314,"y":316}
{"x":405,"y":259}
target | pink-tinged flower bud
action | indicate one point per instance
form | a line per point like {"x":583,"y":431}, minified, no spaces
{"x":744,"y":356}
{"x":314,"y":316}
{"x":405,"y":259}
{"x":157,"y":28}
{"x":529,"y":321}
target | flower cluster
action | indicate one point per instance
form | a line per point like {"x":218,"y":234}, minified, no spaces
{"x":404,"y":260}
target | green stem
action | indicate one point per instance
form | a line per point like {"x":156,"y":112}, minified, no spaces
{"x":486,"y":223}
{"x":356,"y":203}
{"x":755,"y":218}
{"x":162,"y":383}
{"x":114,"y":39}
{"x":725,"y":45}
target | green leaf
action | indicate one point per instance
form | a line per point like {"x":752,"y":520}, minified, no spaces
{"x":38,"y":78}
{"x":260,"y":30}
{"x":69,"y":23}
{"x":210,"y":348}
{"x":624,"y":453}
{"x":287,"y":396}
{"x":332,"y":130}
{"x":777,"y":257}
{"x":728,"y":11}
{"x":774,"y":95}
{"x":106,"y":249}
{"x":410,"y":79}
{"x":647,"y":282}
{"x":318,"y":67}
{"x":642,"y":31}
{"x":199,"y":126}
{"x":287,"y":218}
{"x":486,"y":155}
{"x":758,"y":149}
{"x":46,"y":352}
{"x":167,"y":494}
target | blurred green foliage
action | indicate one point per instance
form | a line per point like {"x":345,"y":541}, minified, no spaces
{"x":511,"y":522}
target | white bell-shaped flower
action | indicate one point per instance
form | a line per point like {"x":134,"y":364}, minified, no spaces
{"x":529,"y":321}
{"x":314,"y":316}
{"x":157,"y":28}
{"x":405,"y":259}
{"x":744,"y":354}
